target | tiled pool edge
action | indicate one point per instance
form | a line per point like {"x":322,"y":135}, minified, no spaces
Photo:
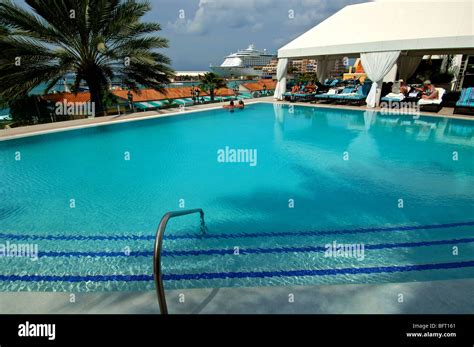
{"x":431,"y":297}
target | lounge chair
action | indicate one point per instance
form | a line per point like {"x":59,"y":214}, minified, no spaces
{"x":158,"y":103}
{"x":432,"y":105}
{"x":144,"y":106}
{"x":347,"y":91}
{"x":393,"y":97}
{"x":302,"y":96}
{"x":465,"y":104}
{"x":184,"y":102}
{"x":224,"y":98}
{"x":245,"y":96}
{"x":325,"y":96}
{"x":392,"y":100}
{"x":359,"y":97}
{"x":205,"y":99}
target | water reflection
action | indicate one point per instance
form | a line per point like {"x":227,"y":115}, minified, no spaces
{"x":422,"y":128}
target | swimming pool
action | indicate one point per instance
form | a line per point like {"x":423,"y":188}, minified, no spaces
{"x":321,"y":176}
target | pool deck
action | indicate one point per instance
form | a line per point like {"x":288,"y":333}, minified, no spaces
{"x":433,"y":297}
{"x":11,"y":133}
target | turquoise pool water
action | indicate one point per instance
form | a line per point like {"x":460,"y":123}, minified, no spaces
{"x":254,"y":237}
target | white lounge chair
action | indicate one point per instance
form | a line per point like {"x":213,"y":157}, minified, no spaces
{"x":432,"y":105}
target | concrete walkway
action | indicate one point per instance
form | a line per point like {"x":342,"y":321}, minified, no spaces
{"x":452,"y":296}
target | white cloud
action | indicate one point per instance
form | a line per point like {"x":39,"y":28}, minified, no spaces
{"x":312,"y":12}
{"x":213,"y":14}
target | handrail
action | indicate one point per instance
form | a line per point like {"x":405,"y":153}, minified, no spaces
{"x":157,"y":252}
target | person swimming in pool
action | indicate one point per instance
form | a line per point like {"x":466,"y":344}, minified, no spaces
{"x":241,"y":104}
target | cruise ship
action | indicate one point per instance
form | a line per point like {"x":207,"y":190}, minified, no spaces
{"x":245,"y":62}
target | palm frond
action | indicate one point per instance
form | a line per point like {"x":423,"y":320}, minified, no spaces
{"x":91,"y":38}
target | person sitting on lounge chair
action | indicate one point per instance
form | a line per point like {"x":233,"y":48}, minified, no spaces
{"x":310,"y":87}
{"x":428,"y":91}
{"x":404,"y":88}
{"x":399,"y":91}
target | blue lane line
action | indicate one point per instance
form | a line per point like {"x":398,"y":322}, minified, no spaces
{"x":321,"y":272}
{"x":325,"y":232}
{"x":244,"y":251}
{"x":235,"y":235}
{"x":249,"y":274}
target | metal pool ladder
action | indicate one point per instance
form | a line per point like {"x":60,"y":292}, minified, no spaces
{"x":157,"y":274}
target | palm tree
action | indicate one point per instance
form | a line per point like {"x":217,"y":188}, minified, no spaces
{"x":97,"y":40}
{"x":210,"y":82}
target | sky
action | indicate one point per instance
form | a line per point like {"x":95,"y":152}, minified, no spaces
{"x":201,"y":32}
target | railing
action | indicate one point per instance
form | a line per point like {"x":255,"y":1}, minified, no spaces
{"x":160,"y":291}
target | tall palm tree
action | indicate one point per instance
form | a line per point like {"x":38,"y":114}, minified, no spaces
{"x":210,"y":82}
{"x":97,"y":40}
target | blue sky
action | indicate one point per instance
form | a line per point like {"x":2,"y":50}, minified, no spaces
{"x":205,"y":31}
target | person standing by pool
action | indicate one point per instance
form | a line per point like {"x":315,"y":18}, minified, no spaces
{"x":130,"y":101}
{"x":197,"y":94}
{"x":193,"y":94}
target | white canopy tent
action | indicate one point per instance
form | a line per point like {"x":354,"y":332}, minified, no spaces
{"x":386,"y":32}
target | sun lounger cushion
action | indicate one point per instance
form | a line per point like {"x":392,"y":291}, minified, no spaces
{"x":437,"y":101}
{"x":467,"y":98}
{"x":393,"y":97}
{"x":326,"y":95}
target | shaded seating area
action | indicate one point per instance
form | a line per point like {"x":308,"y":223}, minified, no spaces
{"x":385,"y":55}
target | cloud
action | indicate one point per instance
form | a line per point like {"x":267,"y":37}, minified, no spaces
{"x":210,"y":29}
{"x":214,"y":14}
{"x":312,"y":12}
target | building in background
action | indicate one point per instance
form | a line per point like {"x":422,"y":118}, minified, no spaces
{"x":339,"y":69}
{"x":303,"y":65}
{"x":271,"y":68}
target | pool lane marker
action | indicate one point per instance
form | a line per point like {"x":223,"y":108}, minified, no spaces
{"x":234,"y":235}
{"x":246,"y":251}
{"x":233,"y":275}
